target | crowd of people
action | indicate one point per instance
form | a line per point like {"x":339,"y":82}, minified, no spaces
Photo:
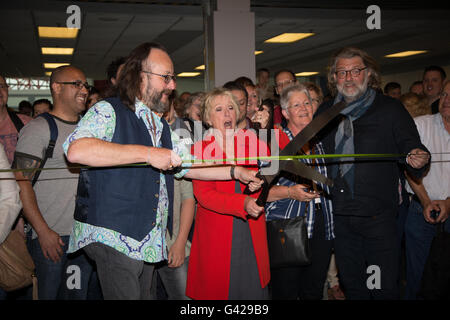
{"x":186,"y":224}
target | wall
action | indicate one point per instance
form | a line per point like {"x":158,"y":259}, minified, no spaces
{"x":190,"y":85}
{"x":15,"y":96}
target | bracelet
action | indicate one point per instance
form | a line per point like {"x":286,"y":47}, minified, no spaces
{"x":289,"y":192}
{"x":232,"y":172}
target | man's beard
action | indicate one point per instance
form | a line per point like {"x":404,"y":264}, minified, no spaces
{"x":152,"y":99}
{"x":361,"y":89}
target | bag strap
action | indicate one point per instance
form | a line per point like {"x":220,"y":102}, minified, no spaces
{"x":51,"y":143}
{"x":15,"y":119}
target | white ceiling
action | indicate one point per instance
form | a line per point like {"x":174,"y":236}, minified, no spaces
{"x":110,"y":29}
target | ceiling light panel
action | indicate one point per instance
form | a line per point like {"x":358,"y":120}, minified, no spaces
{"x":306,"y":74}
{"x":57,"y":32}
{"x":288,"y":37}
{"x":188,"y":74}
{"x":57,"y":51}
{"x":51,"y":65}
{"x":405,"y":54}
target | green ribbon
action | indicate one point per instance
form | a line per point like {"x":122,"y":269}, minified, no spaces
{"x":218,"y":161}
{"x":312,"y":156}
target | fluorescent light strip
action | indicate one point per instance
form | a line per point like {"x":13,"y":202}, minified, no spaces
{"x":51,"y":65}
{"x":57,"y":32}
{"x":202,"y":67}
{"x":57,"y":51}
{"x":289,"y":37}
{"x":48,"y":73}
{"x":258,"y":52}
{"x":405,"y":54}
{"x":306,"y":74}
{"x":188,"y":74}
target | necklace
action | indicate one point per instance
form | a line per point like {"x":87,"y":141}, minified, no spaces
{"x":152,"y":129}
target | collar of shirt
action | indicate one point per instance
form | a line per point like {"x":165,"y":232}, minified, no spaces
{"x":439,"y":121}
{"x":141,"y":109}
{"x":146,"y":114}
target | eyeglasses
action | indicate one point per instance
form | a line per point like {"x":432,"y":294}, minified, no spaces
{"x":4,"y":86}
{"x":79,"y":84}
{"x":282,"y":84}
{"x":167,"y":77}
{"x":306,"y":104}
{"x":342,"y":74}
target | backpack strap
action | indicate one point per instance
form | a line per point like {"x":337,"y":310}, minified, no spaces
{"x":15,"y":119}
{"x":51,"y":143}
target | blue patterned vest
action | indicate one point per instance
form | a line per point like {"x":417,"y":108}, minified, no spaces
{"x":124,"y":199}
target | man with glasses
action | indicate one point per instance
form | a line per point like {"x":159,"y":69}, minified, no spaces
{"x":365,"y":192}
{"x":283,"y":79}
{"x":49,"y":204}
{"x":121,"y":214}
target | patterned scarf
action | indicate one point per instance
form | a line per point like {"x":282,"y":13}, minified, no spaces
{"x":344,"y":143}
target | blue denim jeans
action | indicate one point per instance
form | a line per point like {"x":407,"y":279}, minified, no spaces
{"x":418,"y":237}
{"x":68,"y":279}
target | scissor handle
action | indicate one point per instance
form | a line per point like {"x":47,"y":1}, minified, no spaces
{"x":262,"y":198}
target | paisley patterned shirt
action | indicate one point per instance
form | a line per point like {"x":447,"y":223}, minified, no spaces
{"x":100,"y":122}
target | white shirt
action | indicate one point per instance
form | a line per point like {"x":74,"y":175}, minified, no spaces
{"x":436,"y":138}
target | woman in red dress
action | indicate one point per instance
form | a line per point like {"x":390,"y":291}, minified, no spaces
{"x":229,"y":255}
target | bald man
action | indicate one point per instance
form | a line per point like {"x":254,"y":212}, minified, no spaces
{"x":49,"y":205}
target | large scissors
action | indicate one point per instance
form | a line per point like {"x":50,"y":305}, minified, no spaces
{"x":292,"y":148}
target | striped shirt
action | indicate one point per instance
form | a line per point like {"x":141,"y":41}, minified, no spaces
{"x":290,"y":208}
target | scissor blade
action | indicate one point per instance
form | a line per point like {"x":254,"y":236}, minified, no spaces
{"x":296,"y":168}
{"x":293,"y":147}
{"x":311,"y":130}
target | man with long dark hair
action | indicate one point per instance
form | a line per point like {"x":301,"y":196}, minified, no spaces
{"x":122,"y":212}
